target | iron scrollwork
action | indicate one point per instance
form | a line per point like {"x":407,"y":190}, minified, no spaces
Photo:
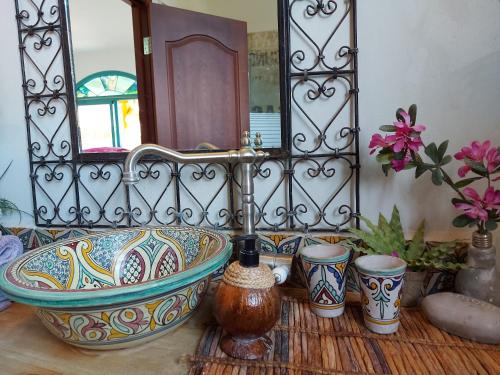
{"x":314,"y":188}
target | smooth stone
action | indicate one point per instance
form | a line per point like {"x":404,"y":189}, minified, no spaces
{"x":464,"y":316}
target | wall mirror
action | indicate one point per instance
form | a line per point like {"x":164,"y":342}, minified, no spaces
{"x":189,"y":75}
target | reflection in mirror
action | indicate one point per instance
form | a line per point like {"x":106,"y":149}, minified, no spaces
{"x":104,"y":69}
{"x":197,"y":86}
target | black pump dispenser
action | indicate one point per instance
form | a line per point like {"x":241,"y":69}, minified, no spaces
{"x":248,"y":255}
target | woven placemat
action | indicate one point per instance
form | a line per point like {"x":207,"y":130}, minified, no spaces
{"x":307,"y":344}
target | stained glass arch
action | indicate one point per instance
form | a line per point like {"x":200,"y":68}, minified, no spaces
{"x":108,"y":83}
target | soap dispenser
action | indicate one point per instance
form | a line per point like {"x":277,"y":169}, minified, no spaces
{"x":247,"y":304}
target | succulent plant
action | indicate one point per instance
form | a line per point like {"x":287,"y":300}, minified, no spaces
{"x":387,"y":237}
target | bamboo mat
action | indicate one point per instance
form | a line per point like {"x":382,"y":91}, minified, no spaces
{"x":305,"y":344}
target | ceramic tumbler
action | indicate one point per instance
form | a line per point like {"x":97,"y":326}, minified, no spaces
{"x":325,"y":269}
{"x":381,"y":281}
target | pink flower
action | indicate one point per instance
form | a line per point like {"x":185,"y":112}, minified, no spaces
{"x":406,"y":136}
{"x":478,"y":207}
{"x":376,"y":142}
{"x":478,"y":152}
{"x":462,"y":171}
{"x":492,"y":159}
{"x":395,"y":254}
{"x":399,"y":165}
{"x":475,"y":152}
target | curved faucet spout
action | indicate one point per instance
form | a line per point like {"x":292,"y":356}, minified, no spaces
{"x":244,"y":155}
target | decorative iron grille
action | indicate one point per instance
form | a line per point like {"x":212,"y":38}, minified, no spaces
{"x":314,"y":188}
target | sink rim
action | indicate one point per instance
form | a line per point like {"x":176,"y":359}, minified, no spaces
{"x":68,"y":298}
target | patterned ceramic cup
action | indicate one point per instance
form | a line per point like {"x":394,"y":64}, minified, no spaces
{"x":325,"y":268}
{"x":381,"y":280}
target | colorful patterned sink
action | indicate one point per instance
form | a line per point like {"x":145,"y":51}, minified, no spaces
{"x":120,"y":288}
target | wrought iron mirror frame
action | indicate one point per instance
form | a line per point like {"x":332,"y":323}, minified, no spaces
{"x":42,"y":26}
{"x":140,"y":16}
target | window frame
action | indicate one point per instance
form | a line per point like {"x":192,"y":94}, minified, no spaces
{"x":111,"y":100}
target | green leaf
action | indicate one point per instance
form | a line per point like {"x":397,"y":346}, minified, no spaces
{"x":491,"y":225}
{"x":396,"y":240}
{"x":410,"y":165}
{"x":417,"y":244}
{"x":437,"y":177}
{"x":5,"y":171}
{"x":477,"y":167}
{"x":463,"y":183}
{"x":388,"y":128}
{"x":399,"y":116}
{"x":386,"y":150}
{"x":396,"y":223}
{"x":458,"y":200}
{"x":386,"y":168}
{"x":384,"y":158}
{"x":432,"y":152}
{"x":442,"y":150}
{"x":420,"y":170}
{"x":462,"y":221}
{"x":412,"y":111}
{"x":447,"y":159}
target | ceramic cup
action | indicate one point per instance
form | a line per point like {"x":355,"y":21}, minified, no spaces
{"x":381,"y":280}
{"x":325,"y":269}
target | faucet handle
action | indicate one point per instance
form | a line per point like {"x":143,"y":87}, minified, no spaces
{"x":258,"y":140}
{"x":245,"y":139}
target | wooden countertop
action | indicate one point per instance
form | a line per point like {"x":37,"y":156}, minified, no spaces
{"x":27,"y":348}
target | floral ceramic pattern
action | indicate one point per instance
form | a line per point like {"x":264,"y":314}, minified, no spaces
{"x":111,"y":260}
{"x":327,"y":285}
{"x":120,"y":324}
{"x":112,"y":289}
{"x":385,"y":292}
{"x":114,"y":259}
{"x":280,"y":244}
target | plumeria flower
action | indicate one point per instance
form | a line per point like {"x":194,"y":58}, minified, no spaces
{"x":478,"y":207}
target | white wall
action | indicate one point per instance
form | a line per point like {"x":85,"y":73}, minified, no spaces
{"x":103,"y":39}
{"x":260,"y":15}
{"x":443,"y":55}
{"x":16,"y":185}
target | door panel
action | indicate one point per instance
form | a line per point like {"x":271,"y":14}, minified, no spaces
{"x":200,"y":68}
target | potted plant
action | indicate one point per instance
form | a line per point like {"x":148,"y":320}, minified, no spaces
{"x":387,"y":237}
{"x":400,"y":149}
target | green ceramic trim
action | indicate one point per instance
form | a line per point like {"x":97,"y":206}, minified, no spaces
{"x":335,"y":259}
{"x":384,"y":272}
{"x":112,"y":295}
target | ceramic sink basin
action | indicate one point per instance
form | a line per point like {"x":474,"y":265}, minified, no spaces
{"x":117,"y":289}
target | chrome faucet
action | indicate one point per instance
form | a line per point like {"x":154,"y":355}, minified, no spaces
{"x":246,"y":156}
